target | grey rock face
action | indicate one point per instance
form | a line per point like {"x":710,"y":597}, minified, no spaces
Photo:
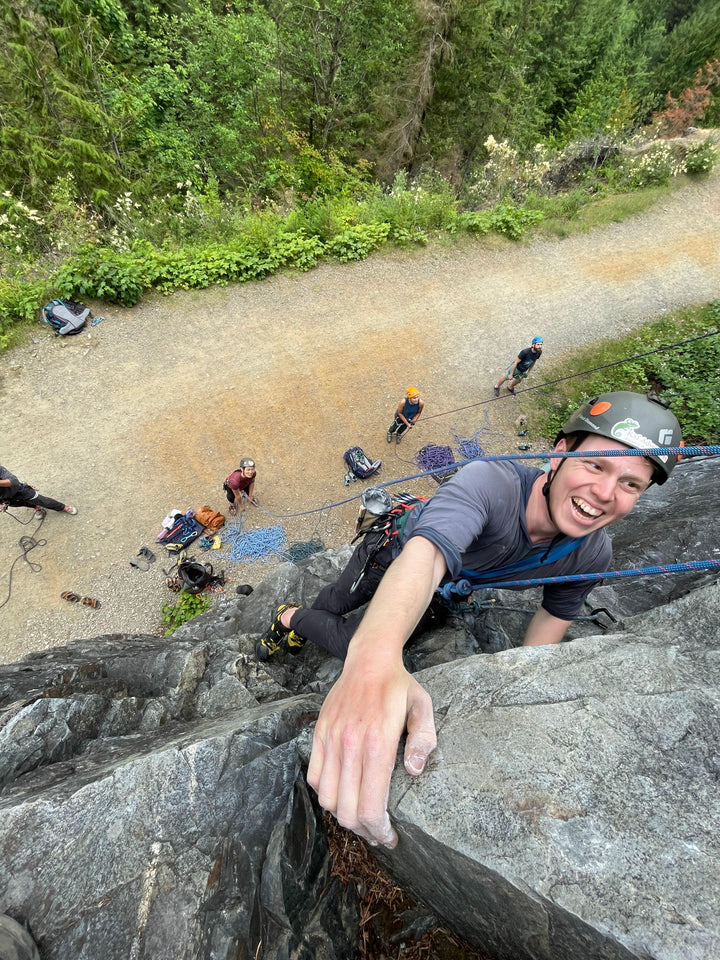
{"x":670,"y":524}
{"x":154,"y":845}
{"x":572,"y":800}
{"x":15,"y":942}
{"x":152,"y":800}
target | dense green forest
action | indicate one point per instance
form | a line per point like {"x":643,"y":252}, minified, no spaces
{"x":133,"y":133}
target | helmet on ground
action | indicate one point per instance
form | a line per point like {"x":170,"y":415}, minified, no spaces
{"x":412,"y":392}
{"x":196,"y":576}
{"x":536,"y":340}
{"x":376,"y":501}
{"x":246,"y":462}
{"x":638,"y":421}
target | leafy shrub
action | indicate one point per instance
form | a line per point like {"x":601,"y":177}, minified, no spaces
{"x":505,"y":219}
{"x":19,"y":303}
{"x":479,"y":222}
{"x":702,"y":157}
{"x":357,"y":242}
{"x":512,"y":221}
{"x":103,"y":273}
{"x":411,"y":208}
{"x":404,"y":237}
{"x":187,"y":606}
{"x":688,"y":375}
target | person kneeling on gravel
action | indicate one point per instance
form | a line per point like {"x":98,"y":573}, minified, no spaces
{"x":241,"y":484}
{"x":15,"y":493}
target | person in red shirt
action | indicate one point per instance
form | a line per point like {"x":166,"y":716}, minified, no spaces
{"x":241,"y":483}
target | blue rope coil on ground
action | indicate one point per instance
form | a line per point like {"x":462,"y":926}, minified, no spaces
{"x":264,"y":544}
{"x":469,"y":447}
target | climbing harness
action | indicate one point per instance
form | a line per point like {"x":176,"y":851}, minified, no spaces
{"x":472,"y":579}
{"x":388,"y":529}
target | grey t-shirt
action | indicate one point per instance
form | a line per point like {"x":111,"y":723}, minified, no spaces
{"x":477,"y":521}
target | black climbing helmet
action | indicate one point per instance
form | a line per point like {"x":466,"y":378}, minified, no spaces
{"x":246,"y":462}
{"x":638,"y":421}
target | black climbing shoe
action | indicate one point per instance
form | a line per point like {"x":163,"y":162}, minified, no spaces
{"x":278,"y":637}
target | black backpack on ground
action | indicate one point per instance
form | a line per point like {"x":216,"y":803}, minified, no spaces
{"x":65,"y":316}
{"x":196,"y":576}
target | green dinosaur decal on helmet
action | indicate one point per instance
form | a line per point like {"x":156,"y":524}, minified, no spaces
{"x":626,"y":431}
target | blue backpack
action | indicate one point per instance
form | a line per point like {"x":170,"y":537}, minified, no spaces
{"x":65,"y":316}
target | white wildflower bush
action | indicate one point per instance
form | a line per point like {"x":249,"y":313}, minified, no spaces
{"x":653,"y":167}
{"x":505,"y":174}
{"x":702,"y":157}
{"x":125,"y":213}
{"x":22,"y":230}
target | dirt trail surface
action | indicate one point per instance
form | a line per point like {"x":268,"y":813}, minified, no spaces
{"x":149,"y":410}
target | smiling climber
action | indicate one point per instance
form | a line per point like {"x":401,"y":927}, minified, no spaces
{"x":497,"y":517}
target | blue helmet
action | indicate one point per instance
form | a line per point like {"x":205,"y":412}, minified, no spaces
{"x":536,"y":340}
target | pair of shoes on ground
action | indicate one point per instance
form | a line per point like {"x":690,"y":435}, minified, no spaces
{"x":278,"y":637}
{"x":143,"y":560}
{"x":76,"y":598}
{"x":68,"y":508}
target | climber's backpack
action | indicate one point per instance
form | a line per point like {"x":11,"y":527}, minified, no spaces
{"x":209,"y":518}
{"x":360,"y":466}
{"x":196,"y":576}
{"x":65,"y":316}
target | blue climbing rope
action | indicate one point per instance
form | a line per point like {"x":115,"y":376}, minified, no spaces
{"x":582,"y":373}
{"x":685,"y":452}
{"x":264,"y":544}
{"x":432,"y":458}
{"x":463,"y":588}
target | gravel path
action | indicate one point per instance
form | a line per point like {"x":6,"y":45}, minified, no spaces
{"x":149,"y":410}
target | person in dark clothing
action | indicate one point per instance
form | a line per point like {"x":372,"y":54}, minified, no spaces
{"x":521,"y":366}
{"x":406,"y":415}
{"x":15,"y":493}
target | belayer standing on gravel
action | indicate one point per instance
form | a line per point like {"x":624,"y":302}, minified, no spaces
{"x":15,"y":493}
{"x":521,"y":366}
{"x":240,"y":484}
{"x":407,"y":414}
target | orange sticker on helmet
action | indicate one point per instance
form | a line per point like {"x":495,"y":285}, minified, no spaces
{"x":599,"y":408}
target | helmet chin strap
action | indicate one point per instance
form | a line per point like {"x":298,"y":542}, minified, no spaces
{"x":577,"y":440}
